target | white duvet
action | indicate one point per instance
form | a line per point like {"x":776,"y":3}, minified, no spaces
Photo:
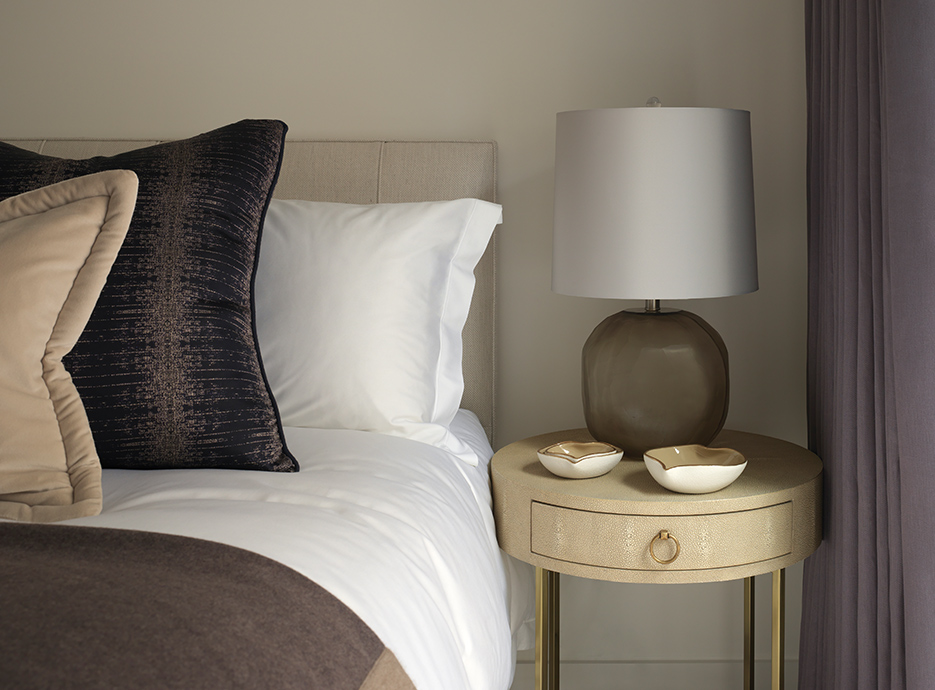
{"x":400,"y":531}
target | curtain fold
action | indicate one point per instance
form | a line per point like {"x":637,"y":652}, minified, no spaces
{"x":869,"y":592}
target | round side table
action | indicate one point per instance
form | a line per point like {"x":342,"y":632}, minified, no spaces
{"x":624,"y":527}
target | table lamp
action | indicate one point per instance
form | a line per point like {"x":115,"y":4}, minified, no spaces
{"x":654,"y":204}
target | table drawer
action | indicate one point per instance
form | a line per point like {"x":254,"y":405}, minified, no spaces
{"x":609,"y":540}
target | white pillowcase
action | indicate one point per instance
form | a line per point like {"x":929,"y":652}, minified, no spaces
{"x":360,"y":309}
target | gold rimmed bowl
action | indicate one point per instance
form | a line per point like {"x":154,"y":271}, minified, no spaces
{"x":580,"y":459}
{"x":694,"y":469}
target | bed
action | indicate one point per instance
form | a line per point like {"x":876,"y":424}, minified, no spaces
{"x":366,"y":477}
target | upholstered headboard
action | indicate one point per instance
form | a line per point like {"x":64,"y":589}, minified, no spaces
{"x":368,"y":172}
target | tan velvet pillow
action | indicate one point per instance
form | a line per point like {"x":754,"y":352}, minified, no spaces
{"x":57,"y":245}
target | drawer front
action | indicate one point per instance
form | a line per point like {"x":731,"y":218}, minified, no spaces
{"x":608,"y":540}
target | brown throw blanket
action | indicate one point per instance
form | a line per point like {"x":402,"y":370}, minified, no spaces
{"x":89,"y":608}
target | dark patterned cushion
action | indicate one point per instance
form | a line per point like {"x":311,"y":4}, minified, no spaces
{"x":168,"y":367}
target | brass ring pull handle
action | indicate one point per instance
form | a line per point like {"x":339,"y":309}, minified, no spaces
{"x":664,"y":536}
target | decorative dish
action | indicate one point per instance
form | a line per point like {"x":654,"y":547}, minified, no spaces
{"x":694,"y":469}
{"x":580,"y":459}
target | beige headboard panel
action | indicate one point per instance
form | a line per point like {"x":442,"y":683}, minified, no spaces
{"x":367,"y":172}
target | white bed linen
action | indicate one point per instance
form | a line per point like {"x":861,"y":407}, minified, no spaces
{"x":400,"y":531}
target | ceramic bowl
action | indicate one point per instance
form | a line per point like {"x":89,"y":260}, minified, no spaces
{"x":580,"y":459}
{"x":694,"y":469}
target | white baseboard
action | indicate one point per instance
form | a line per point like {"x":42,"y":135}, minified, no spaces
{"x":678,"y":675}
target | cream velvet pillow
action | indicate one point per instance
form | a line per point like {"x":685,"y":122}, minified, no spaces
{"x":57,"y":245}
{"x":360,"y":309}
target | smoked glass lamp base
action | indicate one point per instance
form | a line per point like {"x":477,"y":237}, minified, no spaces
{"x":654,"y":378}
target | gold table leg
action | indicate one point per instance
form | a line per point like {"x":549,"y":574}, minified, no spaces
{"x":749,"y":621}
{"x":547,"y":608}
{"x":779,"y":629}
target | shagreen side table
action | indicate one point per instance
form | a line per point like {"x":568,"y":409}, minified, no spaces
{"x":624,"y":527}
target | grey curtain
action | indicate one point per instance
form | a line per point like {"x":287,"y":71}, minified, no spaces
{"x":869,"y":596}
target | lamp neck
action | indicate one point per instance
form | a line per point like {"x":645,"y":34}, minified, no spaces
{"x":653,"y":306}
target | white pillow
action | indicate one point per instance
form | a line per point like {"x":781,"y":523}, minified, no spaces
{"x":359,"y":313}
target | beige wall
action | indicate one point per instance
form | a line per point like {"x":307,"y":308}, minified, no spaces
{"x":483,"y":69}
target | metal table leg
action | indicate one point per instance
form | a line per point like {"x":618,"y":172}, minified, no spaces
{"x":778,"y":650}
{"x":547,"y":612}
{"x":779,"y":629}
{"x":749,"y":628}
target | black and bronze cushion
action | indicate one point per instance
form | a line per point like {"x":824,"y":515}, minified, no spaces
{"x":168,"y":367}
